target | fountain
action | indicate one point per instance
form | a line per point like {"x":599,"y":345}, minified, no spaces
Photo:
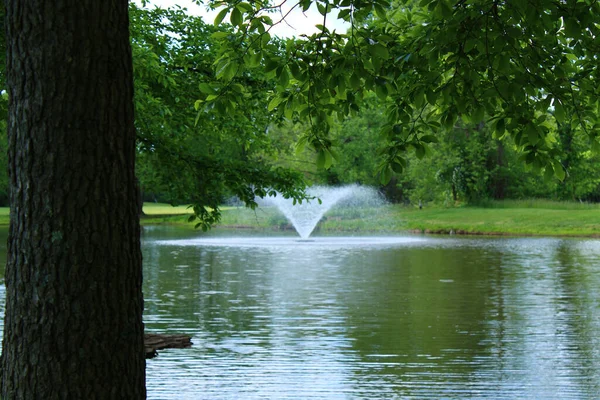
{"x":352,"y":201}
{"x":305,"y":216}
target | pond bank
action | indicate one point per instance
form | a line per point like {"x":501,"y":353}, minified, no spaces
{"x":513,"y":221}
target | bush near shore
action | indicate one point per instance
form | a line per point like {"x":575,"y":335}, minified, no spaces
{"x":522,"y":217}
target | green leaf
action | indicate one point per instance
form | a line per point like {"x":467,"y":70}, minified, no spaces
{"x":431,"y":96}
{"x":419,"y":150}
{"x":478,"y":114}
{"x":255,"y":59}
{"x":385,"y":175}
{"x":322,"y":8}
{"x":275,"y":101}
{"x":443,"y":10}
{"x":572,"y":28}
{"x":548,"y":172}
{"x":206,"y":88}
{"x":595,"y":145}
{"x":236,"y":17}
{"x":301,"y":144}
{"x":328,"y":159}
{"x":289,"y":107}
{"x":504,"y":64}
{"x":266,"y":20}
{"x":244,"y":7}
{"x":265,"y":38}
{"x":559,"y":171}
{"x":220,"y":35}
{"x":429,"y":139}
{"x":419,"y":98}
{"x":559,"y":111}
{"x":226,"y":70}
{"x":220,"y":16}
{"x":380,"y":11}
{"x":449,"y":120}
{"x":381,"y":91}
{"x":529,"y":157}
{"x":296,"y":73}
{"x":271,"y":64}
{"x":355,"y":81}
{"x":321,"y":159}
{"x":532,"y":134}
{"x":446,"y":9}
{"x":344,"y":14}
{"x":500,"y":128}
{"x":379,"y":50}
{"x":238,"y":88}
{"x":284,"y":77}
{"x":397,"y":166}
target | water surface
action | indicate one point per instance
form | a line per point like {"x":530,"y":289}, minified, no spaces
{"x":367,"y":318}
{"x":364,"y":318}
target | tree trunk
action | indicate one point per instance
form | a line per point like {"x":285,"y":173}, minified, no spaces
{"x":73,"y":326}
{"x":499,"y":178}
{"x":566,"y":135}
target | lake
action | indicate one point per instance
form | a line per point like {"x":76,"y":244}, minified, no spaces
{"x":414,"y":317}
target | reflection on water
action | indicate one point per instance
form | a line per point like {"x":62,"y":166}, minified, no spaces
{"x":367,"y":318}
{"x":427,"y":318}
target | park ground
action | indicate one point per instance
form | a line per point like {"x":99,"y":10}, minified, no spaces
{"x":520,"y":218}
{"x":531,"y":217}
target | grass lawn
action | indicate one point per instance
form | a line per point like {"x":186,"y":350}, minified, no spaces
{"x":152,"y":209}
{"x":511,"y":217}
{"x":517,"y":221}
{"x":160,"y":213}
{"x":542,"y":218}
{"x":4,"y":215}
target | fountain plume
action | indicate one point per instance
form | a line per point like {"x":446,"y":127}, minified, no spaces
{"x":306,"y":215}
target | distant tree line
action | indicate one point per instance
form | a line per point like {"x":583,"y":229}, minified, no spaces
{"x":465,"y":165}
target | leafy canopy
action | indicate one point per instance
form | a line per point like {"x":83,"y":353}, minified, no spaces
{"x":201,"y":155}
{"x":517,"y":65}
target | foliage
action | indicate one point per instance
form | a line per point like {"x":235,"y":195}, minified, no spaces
{"x":434,"y":62}
{"x":466,"y":165}
{"x":356,"y":140}
{"x":186,"y":156}
{"x":406,"y":76}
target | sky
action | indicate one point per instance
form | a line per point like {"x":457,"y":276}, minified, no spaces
{"x":297,"y":23}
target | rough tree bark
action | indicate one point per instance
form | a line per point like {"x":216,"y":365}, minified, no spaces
{"x":73,"y":326}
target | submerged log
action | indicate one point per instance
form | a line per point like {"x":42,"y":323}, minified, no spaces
{"x":155,"y":341}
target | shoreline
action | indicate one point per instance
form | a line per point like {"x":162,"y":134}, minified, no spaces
{"x":510,"y":218}
{"x":182,"y":223}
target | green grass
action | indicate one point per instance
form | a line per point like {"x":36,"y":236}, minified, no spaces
{"x":516,"y":221}
{"x":165,"y":209}
{"x":523,"y":217}
{"x":160,"y":213}
{"x":538,"y":203}
{"x":532,"y":218}
{"x":4,"y":215}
